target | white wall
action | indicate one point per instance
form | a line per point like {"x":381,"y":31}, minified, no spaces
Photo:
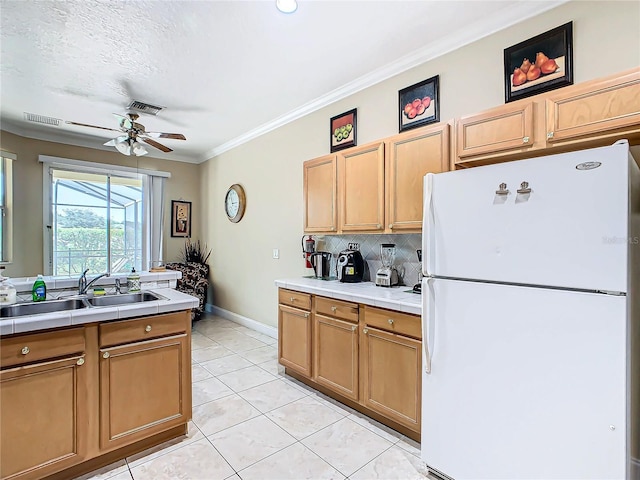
{"x":606,"y":41}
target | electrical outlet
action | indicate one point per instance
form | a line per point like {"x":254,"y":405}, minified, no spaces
{"x":276,"y":253}
{"x":354,"y":246}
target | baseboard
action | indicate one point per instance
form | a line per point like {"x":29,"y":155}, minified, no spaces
{"x":247,"y":322}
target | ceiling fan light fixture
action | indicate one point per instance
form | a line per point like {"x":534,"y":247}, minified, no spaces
{"x":287,"y":6}
{"x":138,"y":149}
{"x":124,"y":147}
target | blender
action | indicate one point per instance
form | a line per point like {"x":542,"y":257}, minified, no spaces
{"x":387,"y":275}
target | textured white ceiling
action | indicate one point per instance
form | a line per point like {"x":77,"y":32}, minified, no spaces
{"x":226,"y":71}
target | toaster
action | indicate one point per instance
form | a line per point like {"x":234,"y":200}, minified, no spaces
{"x":350,"y":266}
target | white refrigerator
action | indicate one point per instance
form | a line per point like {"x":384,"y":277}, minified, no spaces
{"x":531,"y":318}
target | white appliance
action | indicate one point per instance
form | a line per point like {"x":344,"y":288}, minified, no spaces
{"x":531,"y":319}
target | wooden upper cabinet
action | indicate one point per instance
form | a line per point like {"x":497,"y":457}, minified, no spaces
{"x":410,"y":156}
{"x":506,"y":128}
{"x":361,"y":188}
{"x":320,"y":195}
{"x":599,"y":109}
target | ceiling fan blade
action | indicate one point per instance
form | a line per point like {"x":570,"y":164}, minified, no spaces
{"x":175,"y":136}
{"x":114,"y":141}
{"x":92,"y":126}
{"x":124,"y":122}
{"x":153,"y":143}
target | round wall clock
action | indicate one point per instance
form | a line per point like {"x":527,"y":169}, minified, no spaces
{"x":235,"y":203}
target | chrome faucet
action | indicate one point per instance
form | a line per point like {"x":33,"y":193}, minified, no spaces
{"x":118,"y":288}
{"x":83,"y":286}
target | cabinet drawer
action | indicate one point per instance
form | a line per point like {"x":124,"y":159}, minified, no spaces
{"x":396,"y":322}
{"x":40,"y":346}
{"x":294,"y":299}
{"x":337,"y":308}
{"x":127,"y":331}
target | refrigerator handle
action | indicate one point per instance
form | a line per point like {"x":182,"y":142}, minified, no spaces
{"x":427,"y":226}
{"x":428,"y":321}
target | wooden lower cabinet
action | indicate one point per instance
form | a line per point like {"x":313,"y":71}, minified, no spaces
{"x":335,"y":355}
{"x":43,"y":412}
{"x":392,"y":383}
{"x":294,"y":339}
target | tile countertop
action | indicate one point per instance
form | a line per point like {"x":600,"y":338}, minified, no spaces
{"x":172,"y":301}
{"x":393,"y":298}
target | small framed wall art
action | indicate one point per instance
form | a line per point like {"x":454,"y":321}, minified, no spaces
{"x":540,"y":64}
{"x":343,"y":130}
{"x":180,"y":218}
{"x":419,"y":104}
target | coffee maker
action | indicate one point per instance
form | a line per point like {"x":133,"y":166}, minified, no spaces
{"x":350,"y":266}
{"x":321,"y":262}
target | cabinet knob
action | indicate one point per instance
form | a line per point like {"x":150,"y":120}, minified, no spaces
{"x":365,"y":331}
{"x":391,"y":225}
{"x":334,"y":308}
{"x":25,"y":350}
{"x":105,"y":355}
{"x":502,"y":189}
{"x":292,"y":299}
{"x":390,"y":321}
{"x":353,"y":328}
{"x":550,"y":135}
{"x":147,"y":328}
{"x":306,"y":315}
{"x":524,"y":188}
{"x":525,"y":139}
{"x":378,"y":226}
{"x":80,"y":361}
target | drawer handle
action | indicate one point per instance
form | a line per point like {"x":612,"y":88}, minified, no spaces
{"x":502,"y":189}
{"x":306,"y":315}
{"x":365,"y":331}
{"x":353,"y":328}
{"x":550,"y":135}
{"x":25,"y":350}
{"x":390,"y":321}
{"x":525,"y":139}
{"x":147,"y":328}
{"x":333,"y":309}
{"x":105,"y":355}
{"x":292,"y":299}
{"x":80,"y":361}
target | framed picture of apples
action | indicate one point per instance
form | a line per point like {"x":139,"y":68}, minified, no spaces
{"x":419,"y":104}
{"x":540,"y":64}
{"x":343,"y":130}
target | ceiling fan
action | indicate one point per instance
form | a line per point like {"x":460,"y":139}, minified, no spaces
{"x":134,"y":133}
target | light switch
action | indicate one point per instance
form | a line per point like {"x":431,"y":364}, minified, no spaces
{"x":276,"y":253}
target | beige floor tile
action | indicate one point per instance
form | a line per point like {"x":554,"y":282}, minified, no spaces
{"x":346,"y":446}
{"x":193,"y":435}
{"x":196,"y":461}
{"x":394,"y":464}
{"x":198,"y":341}
{"x":122,"y":476}
{"x":239,"y":342}
{"x":376,"y":427}
{"x":293,"y":463}
{"x":223,"y":413}
{"x":109,"y":471}
{"x":271,"y":395}
{"x":227,"y":364}
{"x":246,"y":378}
{"x":210,"y":353}
{"x":273,"y":367}
{"x":261,"y":354}
{"x":250,"y":441}
{"x":304,"y":417}
{"x":409,"y":445}
{"x":208,"y":390}
{"x":198,"y":373}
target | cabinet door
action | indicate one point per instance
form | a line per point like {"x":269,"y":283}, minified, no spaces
{"x":598,"y":109}
{"x":392,"y":376}
{"x":145,"y":388}
{"x":361,"y":188}
{"x":320,"y":195}
{"x":505,"y":128}
{"x":294,"y":339}
{"x":43,"y":412}
{"x":335,"y":355}
{"x":410,"y":157}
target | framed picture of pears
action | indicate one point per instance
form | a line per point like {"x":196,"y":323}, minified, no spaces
{"x":540,"y":64}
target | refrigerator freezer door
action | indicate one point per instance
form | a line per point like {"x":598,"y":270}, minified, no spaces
{"x":524,"y":383}
{"x":569,"y":231}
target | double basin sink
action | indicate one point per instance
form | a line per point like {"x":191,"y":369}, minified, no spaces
{"x":49,"y":306}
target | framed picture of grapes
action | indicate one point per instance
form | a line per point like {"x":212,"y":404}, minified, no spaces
{"x":540,"y":64}
{"x":419,"y":104}
{"x":343,"y":130}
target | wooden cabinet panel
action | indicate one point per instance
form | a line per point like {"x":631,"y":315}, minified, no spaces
{"x":294,"y":299}
{"x":294,"y":339}
{"x":595,"y":109}
{"x":33,"y":347}
{"x":43,"y":412}
{"x":337,"y":308}
{"x":320,"y":195}
{"x":508,"y":127}
{"x":127,"y":331}
{"x":361,"y":188}
{"x":392,"y":376}
{"x":410,"y":156}
{"x":393,"y":321}
{"x":335,"y":362}
{"x":145,"y":388}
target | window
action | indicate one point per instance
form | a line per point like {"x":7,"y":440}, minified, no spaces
{"x":100,"y":218}
{"x":6,"y":206}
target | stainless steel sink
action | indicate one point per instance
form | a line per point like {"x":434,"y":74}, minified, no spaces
{"x":111,"y":300}
{"x":48,"y":306}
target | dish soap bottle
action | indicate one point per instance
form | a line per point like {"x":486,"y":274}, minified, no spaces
{"x":7,"y":290}
{"x":133,"y":281}
{"x":39,"y":290}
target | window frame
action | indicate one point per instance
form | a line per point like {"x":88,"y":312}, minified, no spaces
{"x":6,"y":207}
